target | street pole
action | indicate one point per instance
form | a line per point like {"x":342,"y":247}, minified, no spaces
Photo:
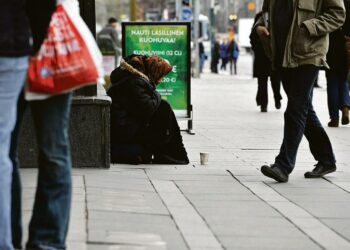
{"x":178,"y":8}
{"x":133,"y":10}
{"x":196,"y":37}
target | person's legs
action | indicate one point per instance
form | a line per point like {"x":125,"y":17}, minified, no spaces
{"x":12,"y":76}
{"x":49,"y":224}
{"x":319,"y":143}
{"x":344,"y":98}
{"x":298,"y":84}
{"x":276,"y":88}
{"x":333,"y":95}
{"x":235,"y":65}
{"x":16,"y":209}
{"x":262,"y":95}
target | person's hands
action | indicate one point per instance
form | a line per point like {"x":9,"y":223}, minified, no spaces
{"x":262,"y":31}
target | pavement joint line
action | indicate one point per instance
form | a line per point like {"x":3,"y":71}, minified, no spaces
{"x":171,"y":216}
{"x":202,"y":217}
{"x":314,"y":218}
{"x":315,"y":233}
{"x":283,"y":215}
{"x":346,"y":189}
{"x":190,"y":236}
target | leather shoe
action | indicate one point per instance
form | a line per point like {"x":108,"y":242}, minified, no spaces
{"x":321,"y":170}
{"x":275,"y":172}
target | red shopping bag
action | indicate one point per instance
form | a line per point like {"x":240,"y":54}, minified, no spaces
{"x":64,"y":61}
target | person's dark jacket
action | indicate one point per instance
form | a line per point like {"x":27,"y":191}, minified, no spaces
{"x":19,"y":21}
{"x":134,"y":101}
{"x":262,"y":64}
{"x":336,"y":56}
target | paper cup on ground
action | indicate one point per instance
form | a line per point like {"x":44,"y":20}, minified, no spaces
{"x":204,"y":158}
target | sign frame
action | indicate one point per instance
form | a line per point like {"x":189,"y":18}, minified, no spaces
{"x":189,"y":109}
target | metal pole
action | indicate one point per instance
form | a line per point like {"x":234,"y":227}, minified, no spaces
{"x":196,"y":37}
{"x":133,"y":10}
{"x":178,"y":8}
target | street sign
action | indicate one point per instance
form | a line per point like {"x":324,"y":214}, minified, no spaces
{"x":169,"y":40}
{"x":186,"y":14}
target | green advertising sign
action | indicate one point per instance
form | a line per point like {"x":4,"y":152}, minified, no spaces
{"x":172,"y":42}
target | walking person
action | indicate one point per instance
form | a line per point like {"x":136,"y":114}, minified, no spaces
{"x":337,"y":85}
{"x":233,"y":53}
{"x":262,"y":70}
{"x":215,"y":57}
{"x":202,"y":56}
{"x":14,"y":50}
{"x":50,"y":218}
{"x":224,"y":54}
{"x":299,"y":39}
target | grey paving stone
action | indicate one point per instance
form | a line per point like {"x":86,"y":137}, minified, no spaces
{"x":268,"y":243}
{"x":341,"y":226}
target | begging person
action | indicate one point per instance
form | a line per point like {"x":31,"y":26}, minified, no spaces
{"x":143,"y":126}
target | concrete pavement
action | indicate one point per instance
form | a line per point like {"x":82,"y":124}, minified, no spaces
{"x":226,"y":204}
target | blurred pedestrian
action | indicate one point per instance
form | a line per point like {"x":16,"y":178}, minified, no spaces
{"x":202,"y":56}
{"x":224,"y":54}
{"x":337,"y":85}
{"x":299,"y":47}
{"x":233,"y":53}
{"x":110,"y":33}
{"x":215,"y":57}
{"x":144,"y":128}
{"x":50,"y":218}
{"x":14,"y":50}
{"x":262,"y":70}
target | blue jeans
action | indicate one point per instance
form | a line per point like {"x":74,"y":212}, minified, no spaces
{"x":300,"y":119}
{"x":12,"y":76}
{"x":49,"y":223}
{"x":338,"y":93}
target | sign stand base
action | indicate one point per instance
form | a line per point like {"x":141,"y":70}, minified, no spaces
{"x":189,"y":129}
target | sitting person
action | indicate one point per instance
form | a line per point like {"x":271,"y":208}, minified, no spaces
{"x":144,"y":128}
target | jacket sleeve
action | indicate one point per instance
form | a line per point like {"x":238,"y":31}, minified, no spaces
{"x":140,"y":101}
{"x":331,"y":19}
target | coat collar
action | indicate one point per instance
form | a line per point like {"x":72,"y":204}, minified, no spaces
{"x":126,"y":66}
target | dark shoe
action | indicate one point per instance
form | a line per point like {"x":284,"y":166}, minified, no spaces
{"x":345,"y":116}
{"x":321,"y":170}
{"x":333,"y":123}
{"x":275,"y":172}
{"x":263,"y":109}
{"x":278,"y":104}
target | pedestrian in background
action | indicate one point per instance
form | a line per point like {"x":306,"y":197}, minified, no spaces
{"x":14,"y":50}
{"x":337,"y":85}
{"x":262,"y":70}
{"x":110,"y":33}
{"x":299,"y":46}
{"x":215,"y":57}
{"x":202,"y":56}
{"x":50,"y":218}
{"x":224,"y":54}
{"x":233,"y":54}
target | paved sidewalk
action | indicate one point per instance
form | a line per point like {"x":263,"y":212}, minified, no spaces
{"x":226,"y":204}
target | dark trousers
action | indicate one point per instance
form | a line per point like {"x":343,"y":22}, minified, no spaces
{"x":262,"y":95}
{"x":49,"y":223}
{"x":338,"y":93}
{"x":300,"y":118}
{"x":233,"y":65}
